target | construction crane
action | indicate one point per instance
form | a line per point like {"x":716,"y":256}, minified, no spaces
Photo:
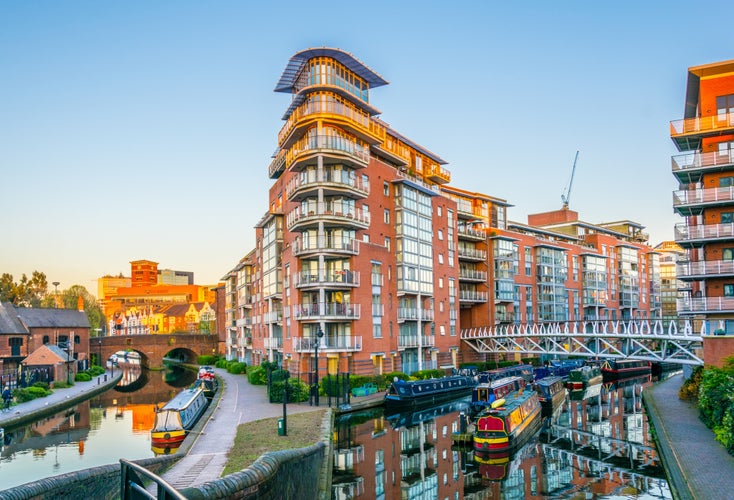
{"x":566,"y":196}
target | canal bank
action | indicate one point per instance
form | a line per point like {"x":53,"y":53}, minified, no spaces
{"x":696,"y":465}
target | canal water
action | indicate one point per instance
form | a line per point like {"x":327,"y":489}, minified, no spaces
{"x":100,"y":431}
{"x":597,"y":444}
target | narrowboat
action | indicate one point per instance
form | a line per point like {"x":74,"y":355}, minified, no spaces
{"x":207,"y":381}
{"x":413,"y":418}
{"x":484,"y":394}
{"x":509,"y":426}
{"x":524,"y":371}
{"x":404,"y":395}
{"x":623,"y":368}
{"x":551,"y":393}
{"x":588,"y":392}
{"x":560,"y":368}
{"x":177,"y":417}
{"x":584,"y":376}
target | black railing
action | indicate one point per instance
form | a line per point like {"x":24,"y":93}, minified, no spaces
{"x":132,"y":487}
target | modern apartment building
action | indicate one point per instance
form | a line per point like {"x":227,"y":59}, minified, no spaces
{"x":705,"y":198}
{"x":367,"y":255}
{"x":670,"y":286}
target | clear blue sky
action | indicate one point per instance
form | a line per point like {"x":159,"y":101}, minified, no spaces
{"x":97,"y":97}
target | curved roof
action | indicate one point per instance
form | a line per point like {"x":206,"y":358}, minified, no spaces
{"x":298,"y":61}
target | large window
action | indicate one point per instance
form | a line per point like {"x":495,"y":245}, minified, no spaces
{"x":727,"y":217}
{"x":724,"y":106}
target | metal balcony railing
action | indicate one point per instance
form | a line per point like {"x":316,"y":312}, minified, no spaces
{"x":410,"y":341}
{"x":471,"y":254}
{"x":684,"y":233}
{"x":704,"y":268}
{"x":701,"y":124}
{"x":333,"y":179}
{"x":273,"y":343}
{"x":328,"y":310}
{"x":705,"y":305}
{"x":414,"y":314}
{"x":273,"y":317}
{"x":326,"y":245}
{"x":710,"y":196}
{"x":473,"y":296}
{"x":328,"y":343}
{"x":698,"y":160}
{"x":345,"y":215}
{"x":331,"y":278}
{"x":471,"y":234}
{"x":472,"y":275}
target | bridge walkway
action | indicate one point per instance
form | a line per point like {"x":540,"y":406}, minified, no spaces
{"x":697,"y":466}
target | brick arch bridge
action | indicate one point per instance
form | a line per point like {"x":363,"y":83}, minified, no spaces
{"x":184,"y":347}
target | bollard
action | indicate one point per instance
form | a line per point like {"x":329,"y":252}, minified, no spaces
{"x":99,"y":380}
{"x":105,"y":377}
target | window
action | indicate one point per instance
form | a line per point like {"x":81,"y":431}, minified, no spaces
{"x":727,"y":254}
{"x":386,"y":216}
{"x":724,"y":106}
{"x":726,"y":181}
{"x":440,"y":235}
{"x":387,"y":242}
{"x":729,"y":290}
{"x":727,"y":217}
{"x":438,"y":210}
{"x":386,"y":189}
{"x":440,"y":258}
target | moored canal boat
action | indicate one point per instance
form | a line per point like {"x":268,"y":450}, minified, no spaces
{"x":508,"y":427}
{"x":405,"y":395}
{"x":177,"y":417}
{"x":524,"y":371}
{"x":484,"y":394}
{"x":584,"y":376}
{"x":551,"y":393}
{"x":623,"y":368}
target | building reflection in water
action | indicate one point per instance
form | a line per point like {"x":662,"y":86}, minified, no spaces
{"x":597,"y":444}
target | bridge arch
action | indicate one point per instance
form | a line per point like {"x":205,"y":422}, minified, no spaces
{"x":153,"y":348}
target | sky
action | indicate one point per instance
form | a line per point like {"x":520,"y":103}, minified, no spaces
{"x":143,"y":130}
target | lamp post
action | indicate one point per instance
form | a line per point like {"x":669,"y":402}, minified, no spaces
{"x":319,"y":336}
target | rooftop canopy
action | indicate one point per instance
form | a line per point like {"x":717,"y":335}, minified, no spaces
{"x":298,"y":61}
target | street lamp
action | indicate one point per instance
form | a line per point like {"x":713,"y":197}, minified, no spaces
{"x":319,"y":336}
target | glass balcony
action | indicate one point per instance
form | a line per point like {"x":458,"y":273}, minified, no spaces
{"x":350,"y":152}
{"x":328,"y":344}
{"x":411,"y":341}
{"x":337,"y":279}
{"x":331,"y":311}
{"x":687,"y":133}
{"x":690,"y":167}
{"x":472,"y":254}
{"x":472,"y":275}
{"x":273,"y":317}
{"x":412,"y":314}
{"x":332,"y":182}
{"x":705,"y":305}
{"x":340,"y":246}
{"x":330,"y":214}
{"x":693,"y":201}
{"x":472,"y":296}
{"x":471,"y":234}
{"x":697,"y":235}
{"x":704,"y":269}
{"x":273,"y":343}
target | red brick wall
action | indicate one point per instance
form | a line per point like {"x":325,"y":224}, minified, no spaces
{"x":716,"y":348}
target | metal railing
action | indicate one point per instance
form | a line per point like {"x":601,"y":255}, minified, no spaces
{"x":414,"y":314}
{"x":330,"y":178}
{"x":704,"y":268}
{"x":701,"y":124}
{"x":471,"y":253}
{"x":323,"y":244}
{"x":684,"y":232}
{"x":698,"y":160}
{"x":705,"y":304}
{"x":409,"y":341}
{"x":703,"y":196}
{"x":328,"y":343}
{"x":132,"y":487}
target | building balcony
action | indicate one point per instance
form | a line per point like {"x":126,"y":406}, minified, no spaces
{"x":335,"y":246}
{"x":273,"y":343}
{"x":332,"y":183}
{"x":328,"y":343}
{"x":338,"y":279}
{"x":687,"y":133}
{"x":695,"y":236}
{"x":436,"y":173}
{"x":412,"y":341}
{"x":705,"y":305}
{"x":471,"y":234}
{"x":693,"y":201}
{"x":326,"y":311}
{"x":273,"y":317}
{"x":244,"y":322}
{"x":690,"y":167}
{"x":344,"y":150}
{"x":414,"y":314}
{"x":471,"y":254}
{"x":245,"y":342}
{"x":471,"y":296}
{"x":277,"y":166}
{"x":704,"y":269}
{"x":472,"y":275}
{"x":330,"y":215}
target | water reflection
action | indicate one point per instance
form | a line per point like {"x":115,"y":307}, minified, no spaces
{"x":596,"y":444}
{"x":99,"y":431}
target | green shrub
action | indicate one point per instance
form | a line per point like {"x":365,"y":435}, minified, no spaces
{"x":428,"y":374}
{"x":95,"y":371}
{"x":256,"y":375}
{"x":43,"y":385}
{"x":689,"y":390}
{"x":208,"y":359}
{"x":30,"y":393}
{"x":298,"y":391}
{"x":236,"y":367}
{"x":82,"y":377}
{"x":221,"y":363}
{"x":62,"y":384}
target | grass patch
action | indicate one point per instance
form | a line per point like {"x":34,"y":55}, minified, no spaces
{"x":261,"y":436}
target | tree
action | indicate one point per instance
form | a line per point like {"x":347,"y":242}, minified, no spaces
{"x":70,"y":300}
{"x":28,"y":292}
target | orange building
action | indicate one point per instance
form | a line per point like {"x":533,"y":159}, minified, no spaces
{"x":367,"y":255}
{"x":705,"y":198}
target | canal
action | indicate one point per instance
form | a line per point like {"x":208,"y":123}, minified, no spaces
{"x":596,"y":445}
{"x":113,"y":425}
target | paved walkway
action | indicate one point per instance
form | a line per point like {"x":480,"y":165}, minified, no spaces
{"x":240,"y":402}
{"x":698,"y":466}
{"x":31,"y":411}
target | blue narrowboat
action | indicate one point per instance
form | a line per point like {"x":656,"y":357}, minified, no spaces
{"x":176,"y":417}
{"x":405,"y":395}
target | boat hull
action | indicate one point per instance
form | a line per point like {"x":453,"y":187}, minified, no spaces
{"x":492,"y":435}
{"x":613,"y":370}
{"x":402,"y":396}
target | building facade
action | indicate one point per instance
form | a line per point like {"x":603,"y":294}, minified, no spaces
{"x":367,"y":256}
{"x":705,"y":198}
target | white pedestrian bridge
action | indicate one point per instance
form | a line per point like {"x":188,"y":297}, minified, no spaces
{"x":652,"y":340}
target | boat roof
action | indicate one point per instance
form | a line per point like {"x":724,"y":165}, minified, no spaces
{"x":182,"y":399}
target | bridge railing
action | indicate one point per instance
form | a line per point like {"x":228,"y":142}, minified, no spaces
{"x":642,"y":327}
{"x":132,"y":487}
